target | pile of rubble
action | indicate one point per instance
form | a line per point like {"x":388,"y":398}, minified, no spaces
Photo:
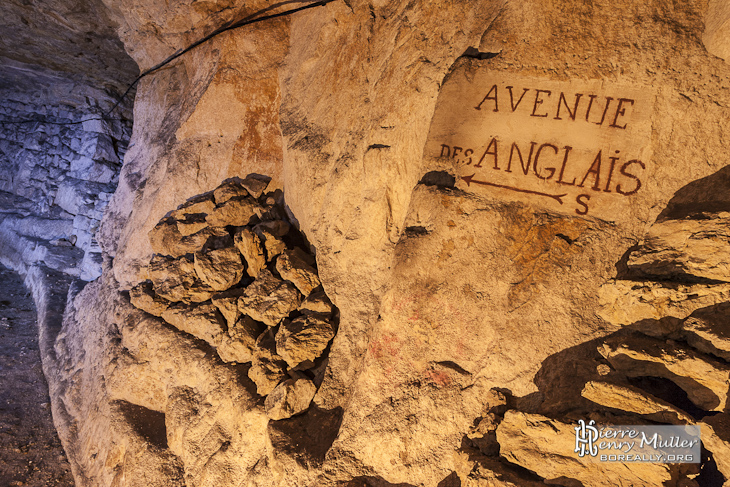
{"x":232,"y":271}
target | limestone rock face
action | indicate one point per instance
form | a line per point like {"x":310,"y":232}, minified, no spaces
{"x":456,"y":266}
{"x":531,"y":441}
{"x":635,"y":400}
{"x":704,"y":379}
{"x":211,"y":307}
{"x":42,"y":54}
{"x":289,"y":398}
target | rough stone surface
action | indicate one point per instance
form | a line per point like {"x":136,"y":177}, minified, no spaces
{"x":303,"y":339}
{"x":65,"y":53}
{"x":176,"y":280}
{"x":166,"y":239}
{"x":249,"y":245}
{"x":317,"y":303}
{"x":629,"y":302}
{"x":448,"y":285}
{"x":704,"y":379}
{"x":240,"y":343}
{"x":273,"y":244}
{"x":143,"y":296}
{"x":236,"y":212}
{"x":200,"y":320}
{"x":227,"y":304}
{"x":289,"y":398}
{"x":681,"y":248}
{"x":295,"y":270}
{"x":633,"y":399}
{"x":546,"y":447}
{"x":269,"y":299}
{"x":715,"y":437}
{"x":267,"y":368}
{"x":708,"y":330}
{"x":220,"y":269}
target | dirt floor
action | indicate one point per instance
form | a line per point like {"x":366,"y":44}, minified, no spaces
{"x":30,"y":452}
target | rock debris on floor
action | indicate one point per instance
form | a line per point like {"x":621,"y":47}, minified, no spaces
{"x":30,"y":452}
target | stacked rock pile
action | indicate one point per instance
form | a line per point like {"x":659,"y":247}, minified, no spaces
{"x":231,"y":270}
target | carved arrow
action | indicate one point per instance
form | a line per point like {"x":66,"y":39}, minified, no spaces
{"x":470,"y":179}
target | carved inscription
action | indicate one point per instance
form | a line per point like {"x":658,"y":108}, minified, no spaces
{"x":579,"y":147}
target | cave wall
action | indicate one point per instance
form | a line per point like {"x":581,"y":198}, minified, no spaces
{"x":458,"y":307}
{"x":59,"y":174}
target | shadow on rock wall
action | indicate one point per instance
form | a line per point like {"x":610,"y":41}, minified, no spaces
{"x":668,"y":364}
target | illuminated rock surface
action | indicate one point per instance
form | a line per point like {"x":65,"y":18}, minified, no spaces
{"x":419,"y":206}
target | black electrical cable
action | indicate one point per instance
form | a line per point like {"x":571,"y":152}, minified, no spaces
{"x":220,"y":30}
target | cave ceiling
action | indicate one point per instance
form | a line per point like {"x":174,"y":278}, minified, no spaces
{"x":61,"y":48}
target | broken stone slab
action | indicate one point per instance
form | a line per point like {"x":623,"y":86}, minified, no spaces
{"x":547,"y":447}
{"x":292,"y":268}
{"x":166,"y":239}
{"x":196,"y":205}
{"x":686,"y":247}
{"x":623,"y":302}
{"x":143,"y":297}
{"x":220,"y":269}
{"x":708,"y":330}
{"x":190,"y":216}
{"x":317,"y":303}
{"x":191,"y":224}
{"x":273,"y":245}
{"x":229,"y":189}
{"x":255,"y":185}
{"x":176,"y":280}
{"x":289,"y":398}
{"x":240,"y":342}
{"x":704,"y":379}
{"x":635,"y":400}
{"x":203,"y":321}
{"x":267,"y":368}
{"x":227,"y":304}
{"x":269,"y":299}
{"x":235,"y":212}
{"x":302,"y":340}
{"x":249,"y":245}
